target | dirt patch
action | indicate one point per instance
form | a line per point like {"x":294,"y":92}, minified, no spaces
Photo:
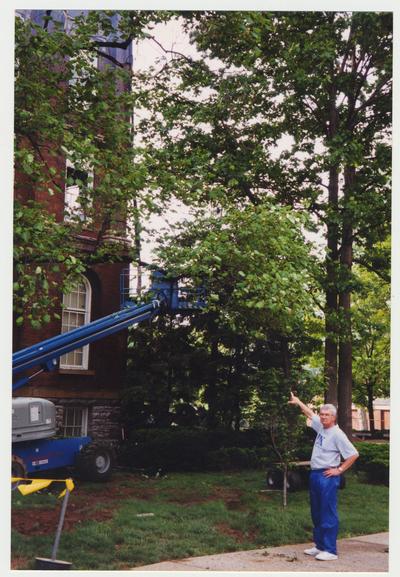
{"x":188,"y":497}
{"x":85,"y":504}
{"x":115,"y":490}
{"x":230,"y":532}
{"x":19,"y":563}
{"x":236,"y":534}
{"x":231,"y":497}
{"x":265,"y":496}
{"x":227,"y":494}
{"x":234,"y":505}
{"x":44,"y":521}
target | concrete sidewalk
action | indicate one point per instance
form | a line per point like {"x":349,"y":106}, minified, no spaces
{"x":358,"y":554}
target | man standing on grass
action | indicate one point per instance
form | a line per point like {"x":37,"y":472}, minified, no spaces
{"x":330,"y":444}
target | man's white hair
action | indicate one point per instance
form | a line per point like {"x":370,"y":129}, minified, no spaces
{"x":329,"y":407}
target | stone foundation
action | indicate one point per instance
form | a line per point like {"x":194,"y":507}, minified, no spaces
{"x":104,"y":421}
{"x":103,"y":417}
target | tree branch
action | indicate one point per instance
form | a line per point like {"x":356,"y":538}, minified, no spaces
{"x":374,"y":94}
{"x":112,"y":59}
{"x":114,"y":44}
{"x":47,"y":19}
{"x":352,"y":112}
{"x":274,"y":445}
{"x":36,"y":147}
{"x":346,"y":54}
{"x":187,"y":58}
{"x":386,"y":277}
{"x":317,"y":303}
{"x":314,"y":112}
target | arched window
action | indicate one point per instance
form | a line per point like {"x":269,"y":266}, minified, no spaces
{"x":76,"y":312}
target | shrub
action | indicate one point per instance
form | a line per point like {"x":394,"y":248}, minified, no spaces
{"x":167,"y":450}
{"x":374,"y":461}
{"x":195,"y":449}
{"x":238,"y":458}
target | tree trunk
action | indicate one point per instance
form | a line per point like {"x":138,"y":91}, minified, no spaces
{"x":370,"y":393}
{"x":345,"y":381}
{"x":345,"y":368}
{"x":285,"y":477}
{"x":211,"y":391}
{"x":238,"y":365}
{"x":286,"y":364}
{"x":286,"y":371}
{"x":331,"y":307}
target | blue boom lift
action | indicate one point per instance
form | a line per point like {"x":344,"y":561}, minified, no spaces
{"x":34,"y":447}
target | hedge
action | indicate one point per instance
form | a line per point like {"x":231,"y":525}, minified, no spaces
{"x":184,"y":449}
{"x":374,"y":461}
{"x":239,"y":458}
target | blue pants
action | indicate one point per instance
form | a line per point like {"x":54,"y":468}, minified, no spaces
{"x":323,"y":499}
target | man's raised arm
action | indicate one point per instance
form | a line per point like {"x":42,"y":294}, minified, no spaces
{"x":306,"y":410}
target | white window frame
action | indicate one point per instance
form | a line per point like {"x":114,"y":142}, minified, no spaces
{"x":83,"y":425}
{"x":87,"y":312}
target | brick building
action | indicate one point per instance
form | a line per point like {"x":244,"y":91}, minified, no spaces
{"x":86,"y":385}
{"x":381,"y":416}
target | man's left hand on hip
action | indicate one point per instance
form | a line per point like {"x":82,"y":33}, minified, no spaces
{"x":334,"y":472}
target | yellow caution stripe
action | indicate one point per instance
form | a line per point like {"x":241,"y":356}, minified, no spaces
{"x":38,"y":484}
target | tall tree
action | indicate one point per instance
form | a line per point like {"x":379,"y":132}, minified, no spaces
{"x":294,"y":106}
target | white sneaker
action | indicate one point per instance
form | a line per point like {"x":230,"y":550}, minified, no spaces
{"x":325,"y":556}
{"x":313,"y":551}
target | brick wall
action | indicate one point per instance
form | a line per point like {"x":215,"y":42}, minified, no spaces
{"x":104,"y":421}
{"x":98,"y":388}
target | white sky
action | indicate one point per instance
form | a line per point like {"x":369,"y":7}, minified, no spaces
{"x":148,"y":53}
{"x":170,"y":36}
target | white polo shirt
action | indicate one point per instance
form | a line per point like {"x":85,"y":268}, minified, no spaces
{"x":329,"y":445}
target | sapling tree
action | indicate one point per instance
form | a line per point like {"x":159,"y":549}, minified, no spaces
{"x":284,"y":422}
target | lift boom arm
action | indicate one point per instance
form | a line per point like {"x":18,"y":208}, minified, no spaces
{"x":166,"y":295}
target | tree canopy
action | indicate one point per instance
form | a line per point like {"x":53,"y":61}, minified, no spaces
{"x":294,"y":106}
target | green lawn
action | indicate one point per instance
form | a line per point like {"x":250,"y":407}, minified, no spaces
{"x":192,"y":514}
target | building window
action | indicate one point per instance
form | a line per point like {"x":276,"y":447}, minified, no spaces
{"x":76,"y":180}
{"x":82,"y":66}
{"x":75,"y":422}
{"x":76,"y":312}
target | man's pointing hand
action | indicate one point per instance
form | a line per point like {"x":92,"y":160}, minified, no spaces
{"x":293,"y":400}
